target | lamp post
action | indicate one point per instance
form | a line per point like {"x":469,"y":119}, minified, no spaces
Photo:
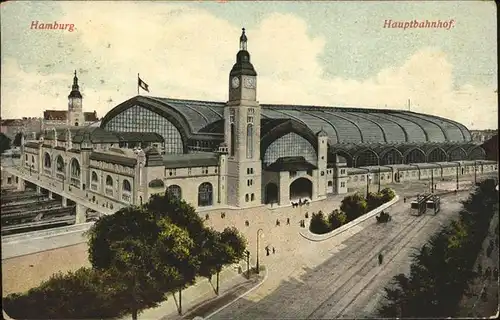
{"x":368,"y":181}
{"x":248,"y":263}
{"x":475,"y":174}
{"x":257,"y":264}
{"x":379,"y":178}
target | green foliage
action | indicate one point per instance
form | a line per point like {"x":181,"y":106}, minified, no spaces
{"x":85,"y":293}
{"x":143,"y":252}
{"x":354,"y":206}
{"x":4,"y":143}
{"x":387,"y":194}
{"x":138,"y":254}
{"x":442,"y":269}
{"x":336,"y":219}
{"x":374,"y":200}
{"x":318,"y":224}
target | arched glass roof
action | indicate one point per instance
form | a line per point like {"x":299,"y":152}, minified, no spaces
{"x":343,"y":125}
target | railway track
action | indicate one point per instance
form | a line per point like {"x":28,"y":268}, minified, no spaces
{"x":367,"y":256}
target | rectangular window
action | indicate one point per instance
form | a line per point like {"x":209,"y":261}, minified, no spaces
{"x":342,"y":184}
{"x":9,"y":180}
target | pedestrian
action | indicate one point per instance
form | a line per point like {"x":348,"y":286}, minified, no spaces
{"x":307,"y":215}
{"x":267,"y":251}
{"x":277,"y":222}
{"x":404,"y":199}
{"x":380,"y":258}
{"x":287,"y":221}
{"x":274,"y":250}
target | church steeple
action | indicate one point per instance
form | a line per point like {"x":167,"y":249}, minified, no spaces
{"x":75,"y":89}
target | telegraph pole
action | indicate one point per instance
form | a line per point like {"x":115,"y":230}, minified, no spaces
{"x":457,"y":177}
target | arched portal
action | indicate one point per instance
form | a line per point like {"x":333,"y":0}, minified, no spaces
{"x":301,"y":188}
{"x":271,"y":193}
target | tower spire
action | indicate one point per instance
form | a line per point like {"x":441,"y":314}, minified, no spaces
{"x":75,"y":89}
{"x":243,"y":40}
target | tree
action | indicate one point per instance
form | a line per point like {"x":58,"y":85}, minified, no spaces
{"x":318,"y":224}
{"x":336,"y":219}
{"x":354,"y":206}
{"x":442,"y":268}
{"x":147,"y":255}
{"x":4,"y":143}
{"x":17,"y":139}
{"x":233,"y":250}
{"x":85,"y":293}
{"x":387,"y":194}
{"x":374,"y":200}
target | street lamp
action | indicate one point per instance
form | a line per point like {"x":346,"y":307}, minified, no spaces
{"x":368,"y":181}
{"x":257,"y":265}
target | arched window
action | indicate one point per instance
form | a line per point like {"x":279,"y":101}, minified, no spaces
{"x":94,"y":177}
{"x":415,"y":156}
{"x":290,"y":145}
{"x":249,"y":141}
{"x":47,"y":162}
{"x":33,"y":159}
{"x":391,"y":156}
{"x":233,"y":139}
{"x":126,"y":121}
{"x":252,"y":197}
{"x":75,"y":168}
{"x":175,"y":191}
{"x":477,"y":153}
{"x":60,"y":164}
{"x":246,"y":198}
{"x":126,"y":186}
{"x":205,"y":194}
{"x":437,"y":155}
{"x":109,"y":181}
{"x":457,"y":154}
{"x":366,"y":158}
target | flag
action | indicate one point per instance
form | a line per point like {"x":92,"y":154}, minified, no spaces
{"x":143,"y":85}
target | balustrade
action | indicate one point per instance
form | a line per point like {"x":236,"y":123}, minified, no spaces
{"x":109,"y":191}
{"x":126,"y":197}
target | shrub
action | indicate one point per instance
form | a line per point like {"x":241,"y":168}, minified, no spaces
{"x":374,"y":200}
{"x":336,"y":219}
{"x":354,"y":206}
{"x":319,"y":225}
{"x":387,"y":194}
{"x":83,"y":294}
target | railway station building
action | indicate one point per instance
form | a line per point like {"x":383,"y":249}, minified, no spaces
{"x":241,"y":153}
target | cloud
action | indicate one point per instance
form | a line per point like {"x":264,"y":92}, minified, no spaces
{"x":183,"y":52}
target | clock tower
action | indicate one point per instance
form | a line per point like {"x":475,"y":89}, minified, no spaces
{"x":242,"y":132}
{"x":75,"y":108}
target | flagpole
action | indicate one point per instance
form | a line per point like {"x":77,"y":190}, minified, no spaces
{"x":138,"y":84}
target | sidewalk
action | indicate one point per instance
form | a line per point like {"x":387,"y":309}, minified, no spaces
{"x":196,"y":295}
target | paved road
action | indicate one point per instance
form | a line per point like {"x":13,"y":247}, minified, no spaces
{"x":341,"y":276}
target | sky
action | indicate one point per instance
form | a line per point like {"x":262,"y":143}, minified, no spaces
{"x":309,"y":53}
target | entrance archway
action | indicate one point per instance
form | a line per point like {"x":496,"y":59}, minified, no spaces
{"x":271,"y":193}
{"x":301,"y":188}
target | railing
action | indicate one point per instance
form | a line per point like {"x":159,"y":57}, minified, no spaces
{"x":93,"y":187}
{"x":60,"y":176}
{"x":126,"y":197}
{"x":47,"y":171}
{"x":75,"y":182}
{"x":109,"y":191}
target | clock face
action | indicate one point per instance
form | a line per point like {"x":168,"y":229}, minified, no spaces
{"x":249,"y":83}
{"x":235,"y":82}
